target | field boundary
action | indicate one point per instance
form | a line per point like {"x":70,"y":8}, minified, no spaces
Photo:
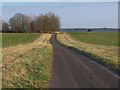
{"x":94,"y":57}
{"x":29,"y":68}
{"x":13,"y":52}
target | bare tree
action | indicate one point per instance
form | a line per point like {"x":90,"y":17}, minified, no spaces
{"x":27,"y":23}
{"x":0,"y":23}
{"x":5,"y":27}
{"x":43,"y":23}
{"x":20,"y":23}
{"x":54,"y":23}
{"x":35,"y":26}
{"x":47,"y":23}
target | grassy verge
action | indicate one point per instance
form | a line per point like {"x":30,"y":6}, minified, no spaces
{"x":28,"y":65}
{"x":10,"y":39}
{"x":32,"y":70}
{"x":104,"y":38}
{"x":105,"y":54}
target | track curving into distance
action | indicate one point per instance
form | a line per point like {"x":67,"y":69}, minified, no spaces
{"x":74,"y":70}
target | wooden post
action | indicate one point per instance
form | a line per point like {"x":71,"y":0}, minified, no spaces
{"x":112,"y":43}
{"x":101,"y":46}
{"x":9,"y":43}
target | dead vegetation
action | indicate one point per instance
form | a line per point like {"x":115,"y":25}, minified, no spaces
{"x":108,"y":54}
{"x":29,"y":65}
{"x":11,"y":53}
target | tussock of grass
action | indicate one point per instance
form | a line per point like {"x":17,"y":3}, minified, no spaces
{"x":102,"y":53}
{"x":29,"y":71}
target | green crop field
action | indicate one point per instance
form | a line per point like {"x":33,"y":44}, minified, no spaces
{"x":9,"y":39}
{"x":105,"y":53}
{"x":100,"y":38}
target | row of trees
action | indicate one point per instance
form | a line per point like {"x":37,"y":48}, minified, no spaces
{"x":22,"y":23}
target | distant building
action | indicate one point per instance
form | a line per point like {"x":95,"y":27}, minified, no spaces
{"x":89,"y":30}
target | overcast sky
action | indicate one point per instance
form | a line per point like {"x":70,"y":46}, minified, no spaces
{"x":71,"y":14}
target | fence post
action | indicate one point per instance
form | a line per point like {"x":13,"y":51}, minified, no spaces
{"x":20,"y":42}
{"x":9,"y":43}
{"x":101,"y":46}
{"x":112,"y":43}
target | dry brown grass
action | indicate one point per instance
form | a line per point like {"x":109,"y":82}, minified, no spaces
{"x":108,"y":53}
{"x":11,"y":53}
{"x":28,"y":65}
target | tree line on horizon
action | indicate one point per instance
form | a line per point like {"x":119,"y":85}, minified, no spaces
{"x":21,"y":23}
